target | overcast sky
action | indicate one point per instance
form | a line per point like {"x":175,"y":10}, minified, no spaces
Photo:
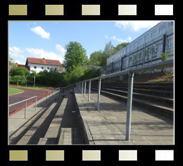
{"x":47,"y":39}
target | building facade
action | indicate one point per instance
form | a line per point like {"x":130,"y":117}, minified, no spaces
{"x":144,"y":50}
{"x":38,"y":64}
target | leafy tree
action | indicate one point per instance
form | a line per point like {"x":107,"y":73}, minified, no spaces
{"x":164,"y":56}
{"x":96,"y":58}
{"x":119,"y":47}
{"x":19,"y":71}
{"x":75,"y":55}
{"x":11,"y":63}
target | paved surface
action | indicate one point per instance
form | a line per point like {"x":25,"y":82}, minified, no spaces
{"x":108,"y":126}
{"x":27,"y":93}
{"x":17,"y":122}
{"x":39,"y":126}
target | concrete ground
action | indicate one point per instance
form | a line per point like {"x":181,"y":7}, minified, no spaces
{"x":17,"y":121}
{"x":108,"y":125}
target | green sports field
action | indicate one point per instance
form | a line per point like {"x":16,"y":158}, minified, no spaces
{"x":14,"y":91}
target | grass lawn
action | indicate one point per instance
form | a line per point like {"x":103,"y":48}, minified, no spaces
{"x":14,"y":91}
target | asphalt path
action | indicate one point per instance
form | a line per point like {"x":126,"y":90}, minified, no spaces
{"x":27,"y":93}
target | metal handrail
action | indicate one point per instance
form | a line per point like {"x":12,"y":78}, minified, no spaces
{"x":25,"y":100}
{"x":130,"y":72}
{"x":25,"y":111}
{"x":22,"y":101}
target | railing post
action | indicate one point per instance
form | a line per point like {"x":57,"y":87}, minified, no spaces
{"x":129,"y":105}
{"x":36,"y":103}
{"x":25,"y":111}
{"x":89,"y":90}
{"x":82,"y":88}
{"x":98,"y":99}
{"x":85,"y":89}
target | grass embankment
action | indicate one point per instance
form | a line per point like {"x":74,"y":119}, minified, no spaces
{"x":13,"y":91}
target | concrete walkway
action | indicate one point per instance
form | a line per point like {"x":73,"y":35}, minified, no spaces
{"x":108,"y":125}
{"x":17,"y":122}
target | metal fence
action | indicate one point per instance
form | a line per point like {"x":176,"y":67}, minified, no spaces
{"x":49,"y":95}
{"x":81,"y":86}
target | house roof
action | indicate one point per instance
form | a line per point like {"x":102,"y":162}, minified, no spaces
{"x":43,"y":61}
{"x":21,"y":65}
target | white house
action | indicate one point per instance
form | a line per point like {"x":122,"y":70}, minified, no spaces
{"x":38,"y":64}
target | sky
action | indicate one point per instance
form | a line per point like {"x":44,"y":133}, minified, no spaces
{"x":48,"y":39}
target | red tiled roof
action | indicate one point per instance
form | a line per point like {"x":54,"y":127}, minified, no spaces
{"x":60,"y":69}
{"x":43,"y":61}
{"x":20,"y":65}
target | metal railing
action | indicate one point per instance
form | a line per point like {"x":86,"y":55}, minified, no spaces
{"x":49,"y":95}
{"x":130,"y":72}
{"x":25,"y":110}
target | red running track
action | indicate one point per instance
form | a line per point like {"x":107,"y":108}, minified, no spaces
{"x":27,"y":93}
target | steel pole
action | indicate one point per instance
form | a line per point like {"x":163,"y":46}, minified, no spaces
{"x":89,"y":90}
{"x":25,"y":111}
{"x":82,"y":88}
{"x":129,"y":105}
{"x":85,"y":89}
{"x":98,"y":99}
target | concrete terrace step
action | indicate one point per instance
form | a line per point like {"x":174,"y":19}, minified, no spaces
{"x":53,"y":132}
{"x":39,"y":128}
{"x":65,"y":136}
{"x":161,"y":100}
{"x":162,"y":86}
{"x":152,"y":106}
{"x":157,"y":92}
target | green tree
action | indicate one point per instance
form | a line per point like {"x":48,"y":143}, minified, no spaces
{"x":119,"y":47}
{"x":75,"y":55}
{"x":19,"y":71}
{"x":96,"y":58}
{"x":164,"y":57}
{"x":11,"y":63}
{"x":108,"y":51}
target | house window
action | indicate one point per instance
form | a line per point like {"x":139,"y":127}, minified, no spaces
{"x":146,"y":38}
{"x":140,"y":41}
{"x":42,"y":67}
{"x":135,"y":44}
{"x":153,"y":34}
{"x":48,"y":68}
{"x":34,"y":67}
{"x":162,"y":28}
{"x":170,"y":24}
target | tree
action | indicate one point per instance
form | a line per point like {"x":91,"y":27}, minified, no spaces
{"x":96,"y":58}
{"x":11,"y":63}
{"x":119,"y":47}
{"x":75,"y":55}
{"x":164,"y":57}
{"x":108,"y":51}
{"x":22,"y":71}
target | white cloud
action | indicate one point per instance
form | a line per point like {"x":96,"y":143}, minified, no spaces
{"x":135,"y":25}
{"x":16,"y":52}
{"x":19,"y":62}
{"x":40,"y":53}
{"x":40,"y":31}
{"x":106,"y":37}
{"x":60,"y":49}
{"x":121,"y":40}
